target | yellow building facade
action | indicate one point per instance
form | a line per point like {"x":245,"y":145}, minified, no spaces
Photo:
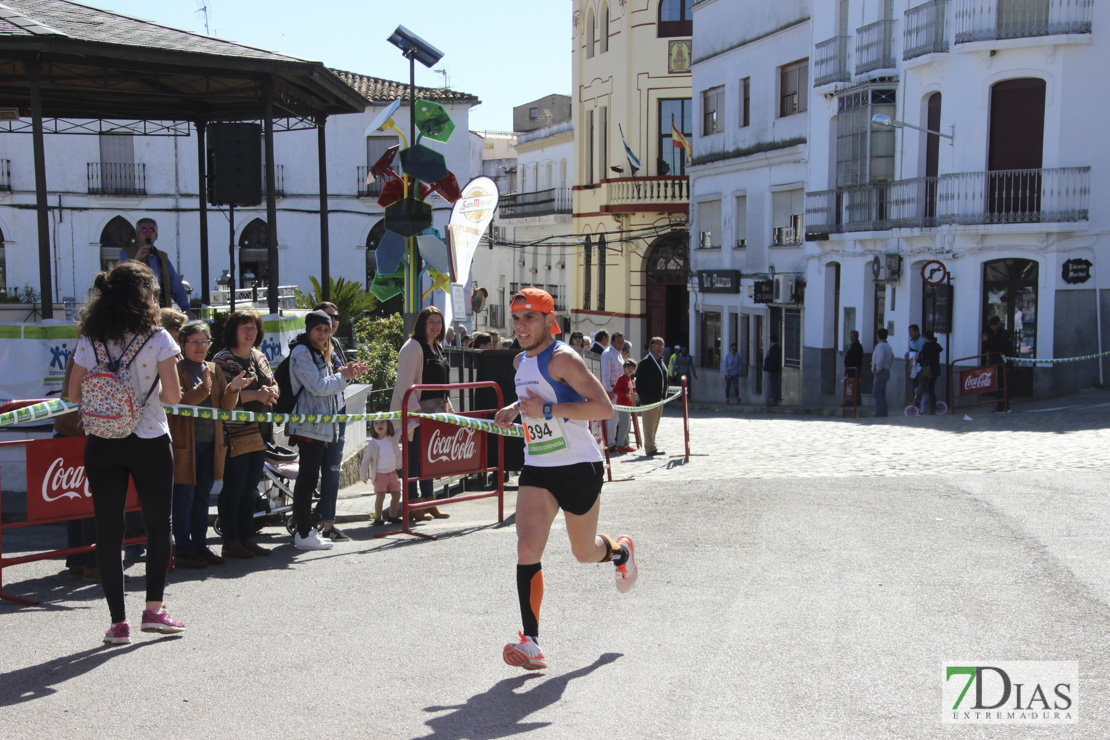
{"x":631,"y":76}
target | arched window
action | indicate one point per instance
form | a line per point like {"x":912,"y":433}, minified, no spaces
{"x":562,"y":173}
{"x":605,"y":28}
{"x":591,"y":34}
{"x":254,"y":255}
{"x":117,"y":235}
{"x":676,"y":18}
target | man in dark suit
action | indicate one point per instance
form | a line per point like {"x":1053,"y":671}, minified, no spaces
{"x":772,"y":365}
{"x":651,"y":385}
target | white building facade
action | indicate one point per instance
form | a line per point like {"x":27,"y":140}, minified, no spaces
{"x":747,"y":185}
{"x":1003,"y":197}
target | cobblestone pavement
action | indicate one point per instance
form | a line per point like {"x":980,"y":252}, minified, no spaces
{"x":1068,"y":434}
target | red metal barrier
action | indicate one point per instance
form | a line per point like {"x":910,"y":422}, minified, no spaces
{"x":977,"y":381}
{"x":686,"y":425}
{"x":603,"y":442}
{"x":57,"y":491}
{"x":850,"y":399}
{"x":465,"y":446}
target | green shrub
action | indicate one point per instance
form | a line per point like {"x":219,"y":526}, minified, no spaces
{"x":379,"y":341}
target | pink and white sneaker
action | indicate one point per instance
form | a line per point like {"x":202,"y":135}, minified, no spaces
{"x":525,"y":654}
{"x":627,"y":573}
{"x":119,"y":633}
{"x":161,"y":622}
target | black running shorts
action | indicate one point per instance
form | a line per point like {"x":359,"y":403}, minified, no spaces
{"x":576,"y":487}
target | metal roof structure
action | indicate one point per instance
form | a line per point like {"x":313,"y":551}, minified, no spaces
{"x":97,"y":64}
{"x":73,"y":68}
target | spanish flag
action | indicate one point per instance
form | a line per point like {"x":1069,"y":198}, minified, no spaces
{"x":680,"y":141}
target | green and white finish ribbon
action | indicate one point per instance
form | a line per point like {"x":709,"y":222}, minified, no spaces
{"x":674,"y":391}
{"x":57,"y":407}
{"x":1051,"y":360}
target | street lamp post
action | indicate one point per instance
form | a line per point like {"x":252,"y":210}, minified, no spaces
{"x":413,"y":48}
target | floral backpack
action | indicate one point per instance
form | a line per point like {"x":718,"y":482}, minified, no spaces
{"x":109,"y":406}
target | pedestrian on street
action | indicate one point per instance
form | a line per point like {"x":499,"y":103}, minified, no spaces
{"x":332,"y":468}
{"x":772,"y":365}
{"x":316,"y":377}
{"x":929,"y":358}
{"x":734,"y":365}
{"x":563,"y":468}
{"x":684,"y":366}
{"x":198,"y":445}
{"x":121,"y":327}
{"x":998,"y":344}
{"x":882,"y":358}
{"x":651,"y":385}
{"x":612,"y":368}
{"x":421,"y":362}
{"x":143,"y":251}
{"x":853,"y":357}
{"x":914,"y":349}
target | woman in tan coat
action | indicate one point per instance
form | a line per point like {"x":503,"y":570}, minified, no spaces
{"x":421,"y":360}
{"x":199,"y":448}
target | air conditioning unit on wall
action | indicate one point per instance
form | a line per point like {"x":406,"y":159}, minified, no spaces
{"x":784,"y":288}
{"x":887,"y":268}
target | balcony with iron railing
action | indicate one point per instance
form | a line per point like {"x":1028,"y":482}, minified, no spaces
{"x":991,"y":20}
{"x":875,"y":47}
{"x":539,"y":203}
{"x":924,"y":30}
{"x":1030,"y":196}
{"x":646,"y":194}
{"x":373,"y":190}
{"x":116,"y":178}
{"x":830,"y":61}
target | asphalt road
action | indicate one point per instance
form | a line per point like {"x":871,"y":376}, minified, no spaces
{"x":781,"y":603}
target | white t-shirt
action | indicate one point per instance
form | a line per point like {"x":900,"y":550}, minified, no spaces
{"x":143,"y":372}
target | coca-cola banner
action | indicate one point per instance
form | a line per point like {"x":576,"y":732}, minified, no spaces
{"x":57,"y":488}
{"x":979,"y":380}
{"x":450,"y":449}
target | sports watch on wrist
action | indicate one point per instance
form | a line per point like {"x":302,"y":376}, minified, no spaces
{"x":547,"y":410}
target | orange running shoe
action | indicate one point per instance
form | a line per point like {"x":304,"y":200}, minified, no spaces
{"x":525,"y":654}
{"x":627,"y":573}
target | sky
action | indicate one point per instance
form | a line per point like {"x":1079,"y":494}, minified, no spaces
{"x":507,"y":52}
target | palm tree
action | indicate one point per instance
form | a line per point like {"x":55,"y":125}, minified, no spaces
{"x":348,"y":295}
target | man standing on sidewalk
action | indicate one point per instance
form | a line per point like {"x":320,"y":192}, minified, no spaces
{"x":881,"y":361}
{"x":651,"y":385}
{"x":612,"y":368}
{"x":733,"y":365}
{"x":772,"y":365}
{"x":998,"y":344}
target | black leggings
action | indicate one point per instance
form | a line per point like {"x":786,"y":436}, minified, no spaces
{"x":109,"y":463}
{"x":312,"y":453}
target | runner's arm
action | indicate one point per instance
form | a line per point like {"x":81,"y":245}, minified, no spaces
{"x":567,"y":367}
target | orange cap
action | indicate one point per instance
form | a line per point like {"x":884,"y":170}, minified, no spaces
{"x":536,"y":300}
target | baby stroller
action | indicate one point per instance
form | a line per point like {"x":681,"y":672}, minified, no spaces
{"x":275,"y":490}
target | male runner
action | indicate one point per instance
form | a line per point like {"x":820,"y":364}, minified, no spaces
{"x":563,"y":466}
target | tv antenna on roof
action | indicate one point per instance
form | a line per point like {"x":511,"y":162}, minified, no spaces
{"x":443,"y":72}
{"x":203,"y":9}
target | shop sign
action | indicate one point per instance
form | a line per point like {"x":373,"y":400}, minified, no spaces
{"x":1077,"y":271}
{"x":764,"y":291}
{"x":719,"y":281}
